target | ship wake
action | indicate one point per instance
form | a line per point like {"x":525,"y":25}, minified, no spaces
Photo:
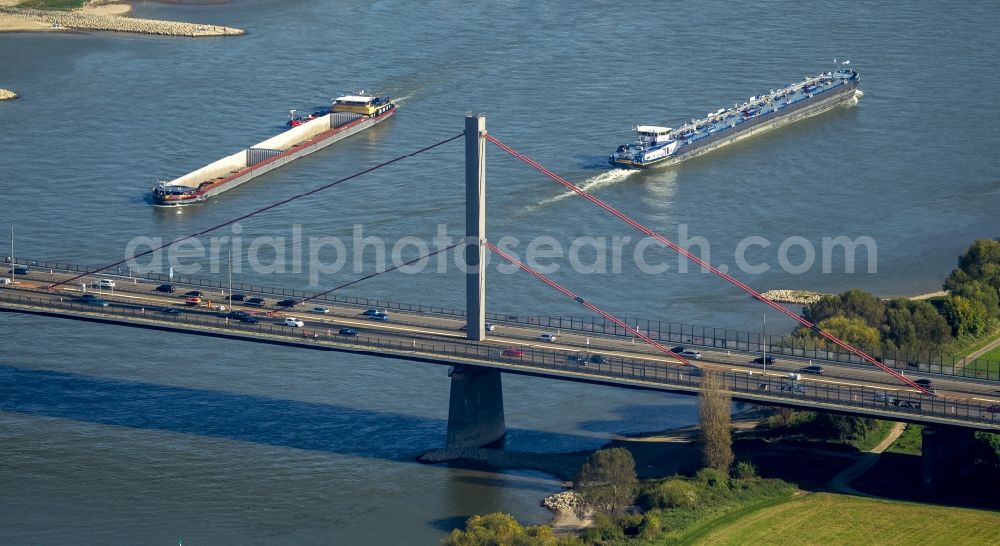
{"x":593,"y":183}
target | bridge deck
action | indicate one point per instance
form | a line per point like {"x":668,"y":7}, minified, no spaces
{"x":846,"y":389}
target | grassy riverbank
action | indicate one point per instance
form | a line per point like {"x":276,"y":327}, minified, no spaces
{"x":827,"y":518}
{"x":61,"y":5}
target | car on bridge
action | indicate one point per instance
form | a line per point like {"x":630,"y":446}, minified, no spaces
{"x":90,"y":299}
{"x":547,"y":337}
{"x":489,"y":326}
{"x":577,"y":359}
{"x":905,"y":404}
{"x":350,"y":332}
{"x":105,"y":283}
{"x":192,"y":301}
{"x":763,"y":360}
{"x":690,"y":353}
{"x":677,"y":349}
{"x":287,"y":303}
{"x":794,"y":388}
{"x":382,"y":318}
{"x":256,"y":302}
{"x":885,"y":398}
{"x":373,"y":312}
{"x":818,"y":370}
{"x":20,"y":270}
{"x":236,"y":297}
{"x":171,"y":311}
{"x":194,"y":293}
{"x":4,"y":281}
{"x":598,"y":359}
{"x":293,"y":322}
{"x":512,"y":352}
{"x":236,"y":314}
{"x":925,"y":383}
{"x":250,"y":319}
{"x":320,"y":310}
{"x":167,"y":288}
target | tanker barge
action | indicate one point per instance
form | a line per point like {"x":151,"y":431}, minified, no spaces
{"x":662,"y":146}
{"x":348,"y":115}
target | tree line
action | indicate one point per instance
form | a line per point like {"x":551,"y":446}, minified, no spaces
{"x":971,"y":309}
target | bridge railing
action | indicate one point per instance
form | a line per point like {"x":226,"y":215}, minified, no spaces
{"x":781,"y":390}
{"x":662,"y":331}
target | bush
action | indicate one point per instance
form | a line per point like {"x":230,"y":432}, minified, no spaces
{"x":604,"y":530}
{"x":631,"y":524}
{"x":745,"y":470}
{"x":675,"y":493}
{"x":712,"y":477}
{"x":652,"y":526}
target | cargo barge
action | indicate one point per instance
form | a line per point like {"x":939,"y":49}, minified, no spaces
{"x":348,"y":115}
{"x":662,"y":146}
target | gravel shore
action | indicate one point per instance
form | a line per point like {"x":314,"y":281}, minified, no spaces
{"x":7,"y":95}
{"x":78,"y":20}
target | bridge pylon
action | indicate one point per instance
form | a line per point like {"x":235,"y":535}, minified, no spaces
{"x":475,"y":226}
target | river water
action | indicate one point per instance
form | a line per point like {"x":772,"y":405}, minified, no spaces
{"x":112,"y":435}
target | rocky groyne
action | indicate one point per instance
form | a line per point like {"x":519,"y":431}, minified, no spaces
{"x":87,"y":21}
{"x":7,"y":95}
{"x":566,"y":500}
{"x":801,"y":297}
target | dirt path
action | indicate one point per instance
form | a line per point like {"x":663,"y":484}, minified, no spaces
{"x":841,"y":483}
{"x":976,"y":354}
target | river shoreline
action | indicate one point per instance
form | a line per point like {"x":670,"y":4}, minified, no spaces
{"x":808,"y":297}
{"x":657,"y":454}
{"x":104,"y":16}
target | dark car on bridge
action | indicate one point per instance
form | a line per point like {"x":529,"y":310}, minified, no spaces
{"x":236,"y":297}
{"x":168,"y":288}
{"x":249,"y":319}
{"x":677,"y":349}
{"x":20,"y":270}
{"x":256,"y":302}
{"x":171,"y":311}
{"x":92,"y":300}
{"x":763,"y":360}
{"x":351,"y":332}
{"x":194,"y":293}
{"x":925,"y":383}
{"x":577,"y":359}
{"x":236,"y":315}
{"x":287,"y":303}
{"x":818,"y":370}
{"x":598,"y":359}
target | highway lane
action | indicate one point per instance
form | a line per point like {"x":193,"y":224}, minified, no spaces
{"x":409,"y":326}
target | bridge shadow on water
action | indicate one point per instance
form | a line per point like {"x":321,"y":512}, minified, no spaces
{"x":242,"y":417}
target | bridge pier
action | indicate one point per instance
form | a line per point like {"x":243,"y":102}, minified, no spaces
{"x":947,"y":454}
{"x":475,"y":410}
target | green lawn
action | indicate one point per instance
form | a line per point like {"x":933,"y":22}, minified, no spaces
{"x":64,"y":5}
{"x":874,"y":436}
{"x":828,"y":519}
{"x":910,"y":442}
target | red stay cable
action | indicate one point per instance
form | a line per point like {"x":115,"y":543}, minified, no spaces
{"x":677,"y":248}
{"x":582,"y":301}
